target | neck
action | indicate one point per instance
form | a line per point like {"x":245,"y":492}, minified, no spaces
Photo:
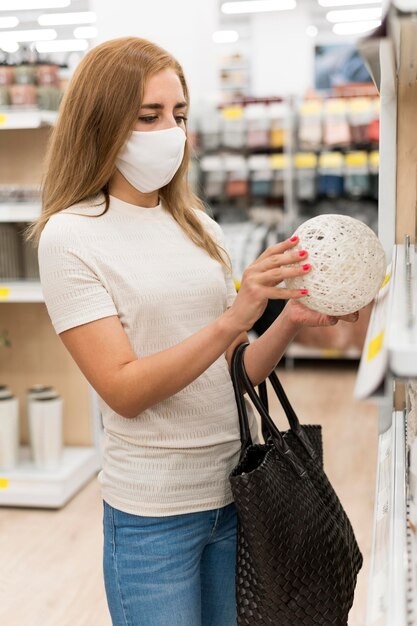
{"x":120,"y":188}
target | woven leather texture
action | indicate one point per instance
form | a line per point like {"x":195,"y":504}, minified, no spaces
{"x":297,"y":556}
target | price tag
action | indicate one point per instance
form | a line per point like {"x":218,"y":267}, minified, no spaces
{"x":4,"y":483}
{"x":4,"y":293}
{"x":3,"y":119}
{"x":375,"y":346}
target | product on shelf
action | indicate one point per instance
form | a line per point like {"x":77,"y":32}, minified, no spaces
{"x":331,"y":174}
{"x":30,"y":85}
{"x":279,"y":164}
{"x":336,"y":130}
{"x":10,"y":257}
{"x":360,"y":113}
{"x":306,"y":175}
{"x":260,"y":172}
{"x":18,"y":259}
{"x":9,"y":430}
{"x":357,"y":181}
{"x":45,"y":421}
{"x":310,"y":132}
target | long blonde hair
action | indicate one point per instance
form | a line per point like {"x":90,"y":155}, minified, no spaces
{"x":97,"y":114}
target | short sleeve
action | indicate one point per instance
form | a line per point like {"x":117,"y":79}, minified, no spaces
{"x":72,"y":291}
{"x":216,"y":231}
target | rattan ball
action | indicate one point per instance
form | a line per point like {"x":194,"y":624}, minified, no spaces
{"x":347,"y":264}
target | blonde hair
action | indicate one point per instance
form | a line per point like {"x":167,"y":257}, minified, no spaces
{"x":96,"y":117}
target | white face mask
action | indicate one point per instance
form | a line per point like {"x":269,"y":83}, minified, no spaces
{"x":150,"y":159}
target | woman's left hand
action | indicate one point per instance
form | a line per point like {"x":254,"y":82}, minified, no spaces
{"x":300,"y":315}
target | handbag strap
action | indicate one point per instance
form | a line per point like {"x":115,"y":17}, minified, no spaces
{"x":288,"y":410}
{"x":245,"y":434}
{"x":241,"y":379}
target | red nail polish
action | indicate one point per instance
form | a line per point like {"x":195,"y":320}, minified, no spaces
{"x":295,"y":238}
{"x":304,"y":292}
{"x":302,"y":253}
{"x":306,"y":267}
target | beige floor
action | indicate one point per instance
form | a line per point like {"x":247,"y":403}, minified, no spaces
{"x":50,"y":561}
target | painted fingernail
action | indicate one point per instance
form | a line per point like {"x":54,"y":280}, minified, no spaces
{"x":295,"y":238}
{"x":304,"y":292}
{"x":302,"y":253}
{"x":306,"y":266}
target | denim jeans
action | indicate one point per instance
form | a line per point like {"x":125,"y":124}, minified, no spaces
{"x":170,"y":571}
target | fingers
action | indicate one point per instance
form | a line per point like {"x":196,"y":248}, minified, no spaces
{"x":272,"y":293}
{"x":352,"y":317}
{"x":275,"y":276}
{"x":278,"y":248}
{"x":278,"y":260}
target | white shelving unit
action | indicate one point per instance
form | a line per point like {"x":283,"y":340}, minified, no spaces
{"x":11,"y":117}
{"x":387,"y":599}
{"x":30,"y":487}
{"x":21,"y":291}
{"x":25,"y":485}
{"x":388,"y":366}
{"x":19,"y":211}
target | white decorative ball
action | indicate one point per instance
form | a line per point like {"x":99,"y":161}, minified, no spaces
{"x":347,"y":264}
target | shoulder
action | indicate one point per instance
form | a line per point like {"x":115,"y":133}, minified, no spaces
{"x":64,"y":227}
{"x":209,"y":223}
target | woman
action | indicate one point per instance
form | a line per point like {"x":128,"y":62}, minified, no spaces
{"x":139,"y":289}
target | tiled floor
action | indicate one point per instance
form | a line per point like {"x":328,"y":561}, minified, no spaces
{"x":50,"y":561}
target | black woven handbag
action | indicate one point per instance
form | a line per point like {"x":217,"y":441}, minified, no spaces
{"x":297,"y":557}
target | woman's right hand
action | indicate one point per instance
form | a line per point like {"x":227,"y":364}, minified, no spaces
{"x":260,"y":280}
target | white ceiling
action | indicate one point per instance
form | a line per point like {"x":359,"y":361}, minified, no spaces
{"x":28,"y":19}
{"x":316,"y":13}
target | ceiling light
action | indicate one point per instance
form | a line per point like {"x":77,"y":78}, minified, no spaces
{"x":354,"y":15}
{"x":225,"y":36}
{"x":312,"y":31}
{"x":38,"y":34}
{"x":258,"y":6}
{"x":9,"y":46}
{"x":62,"y":45}
{"x":27,"y":5}
{"x":8,"y":22}
{"x":355,"y":28}
{"x":85,"y":32}
{"x":57,"y":19}
{"x":346,"y":3}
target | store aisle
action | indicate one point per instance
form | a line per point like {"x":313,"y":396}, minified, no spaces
{"x":50,"y":561}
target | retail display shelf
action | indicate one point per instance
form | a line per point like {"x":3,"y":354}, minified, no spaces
{"x":401,"y":334}
{"x":387,"y":597}
{"x":21,"y":291}
{"x":11,"y":118}
{"x":19,"y":211}
{"x":30,"y":487}
{"x":305,"y":352}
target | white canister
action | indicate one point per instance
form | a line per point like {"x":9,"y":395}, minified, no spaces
{"x":39,"y":391}
{"x":9,"y":431}
{"x":45,"y":419}
{"x":5,"y":391}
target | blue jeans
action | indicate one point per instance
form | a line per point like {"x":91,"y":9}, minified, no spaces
{"x":170,"y":571}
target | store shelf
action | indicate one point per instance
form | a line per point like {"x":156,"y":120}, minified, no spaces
{"x":401,"y":335}
{"x":21,"y":291}
{"x":387,"y":597}
{"x":10,"y":118}
{"x":19,"y":211}
{"x":298,"y":351}
{"x":31,"y":487}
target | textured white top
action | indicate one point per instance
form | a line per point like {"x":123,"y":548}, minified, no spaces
{"x":137,"y":263}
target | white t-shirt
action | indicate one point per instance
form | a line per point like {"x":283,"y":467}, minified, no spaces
{"x":137,"y":263}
